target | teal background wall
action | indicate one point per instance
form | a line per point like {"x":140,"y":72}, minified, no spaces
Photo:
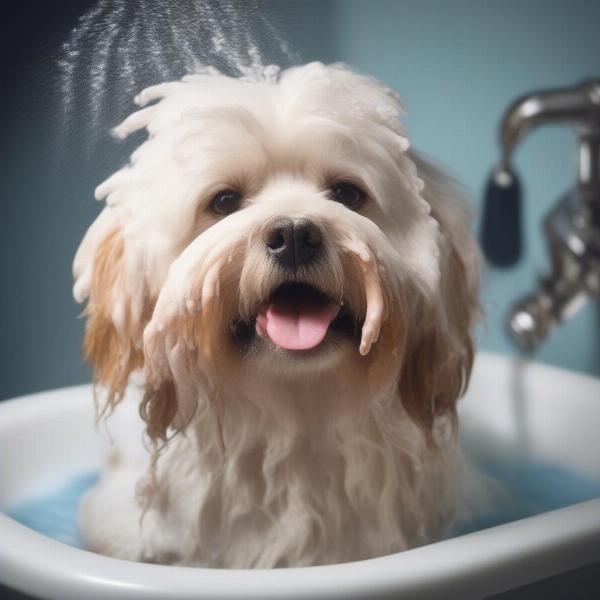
{"x":457,"y":64}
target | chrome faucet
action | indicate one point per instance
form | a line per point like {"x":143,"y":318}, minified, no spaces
{"x":572,"y":228}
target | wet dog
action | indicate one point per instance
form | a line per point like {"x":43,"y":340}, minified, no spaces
{"x":285,"y":292}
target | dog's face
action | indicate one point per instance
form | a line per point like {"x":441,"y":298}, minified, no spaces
{"x":276,"y":234}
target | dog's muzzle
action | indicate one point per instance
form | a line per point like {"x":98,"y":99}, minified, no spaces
{"x":299,"y":312}
{"x":296,"y":317}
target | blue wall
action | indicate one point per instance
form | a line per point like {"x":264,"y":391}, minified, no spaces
{"x":457,"y":64}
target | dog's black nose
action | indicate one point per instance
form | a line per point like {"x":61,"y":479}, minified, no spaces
{"x":293,"y":242}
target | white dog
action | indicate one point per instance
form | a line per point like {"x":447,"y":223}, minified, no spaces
{"x":293,"y":292}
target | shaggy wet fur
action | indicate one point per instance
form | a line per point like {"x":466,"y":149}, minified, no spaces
{"x":256,"y":456}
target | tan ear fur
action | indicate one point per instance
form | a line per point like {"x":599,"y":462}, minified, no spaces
{"x":112,"y":354}
{"x":440,"y":350}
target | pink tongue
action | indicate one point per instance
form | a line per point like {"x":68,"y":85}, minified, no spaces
{"x":296,"y":319}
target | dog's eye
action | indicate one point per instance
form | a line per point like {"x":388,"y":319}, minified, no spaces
{"x":226,"y":202}
{"x":348,"y":194}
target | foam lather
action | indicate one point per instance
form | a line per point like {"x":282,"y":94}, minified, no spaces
{"x":501,"y":236}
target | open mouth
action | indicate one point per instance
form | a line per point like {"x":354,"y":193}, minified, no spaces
{"x":296,"y":317}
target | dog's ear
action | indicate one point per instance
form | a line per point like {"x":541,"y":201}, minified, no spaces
{"x":439,"y":350}
{"x":112,"y":342}
{"x":114,"y":335}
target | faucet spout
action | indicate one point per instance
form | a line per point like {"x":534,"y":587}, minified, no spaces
{"x":578,"y":105}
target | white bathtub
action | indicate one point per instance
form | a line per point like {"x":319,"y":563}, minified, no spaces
{"x":521,"y":412}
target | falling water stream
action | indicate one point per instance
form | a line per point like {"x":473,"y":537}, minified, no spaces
{"x":121,"y":46}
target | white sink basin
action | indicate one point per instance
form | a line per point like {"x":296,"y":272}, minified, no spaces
{"x":531,"y":423}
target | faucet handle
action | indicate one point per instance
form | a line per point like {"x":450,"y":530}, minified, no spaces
{"x":579,"y":105}
{"x":501,"y":235}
